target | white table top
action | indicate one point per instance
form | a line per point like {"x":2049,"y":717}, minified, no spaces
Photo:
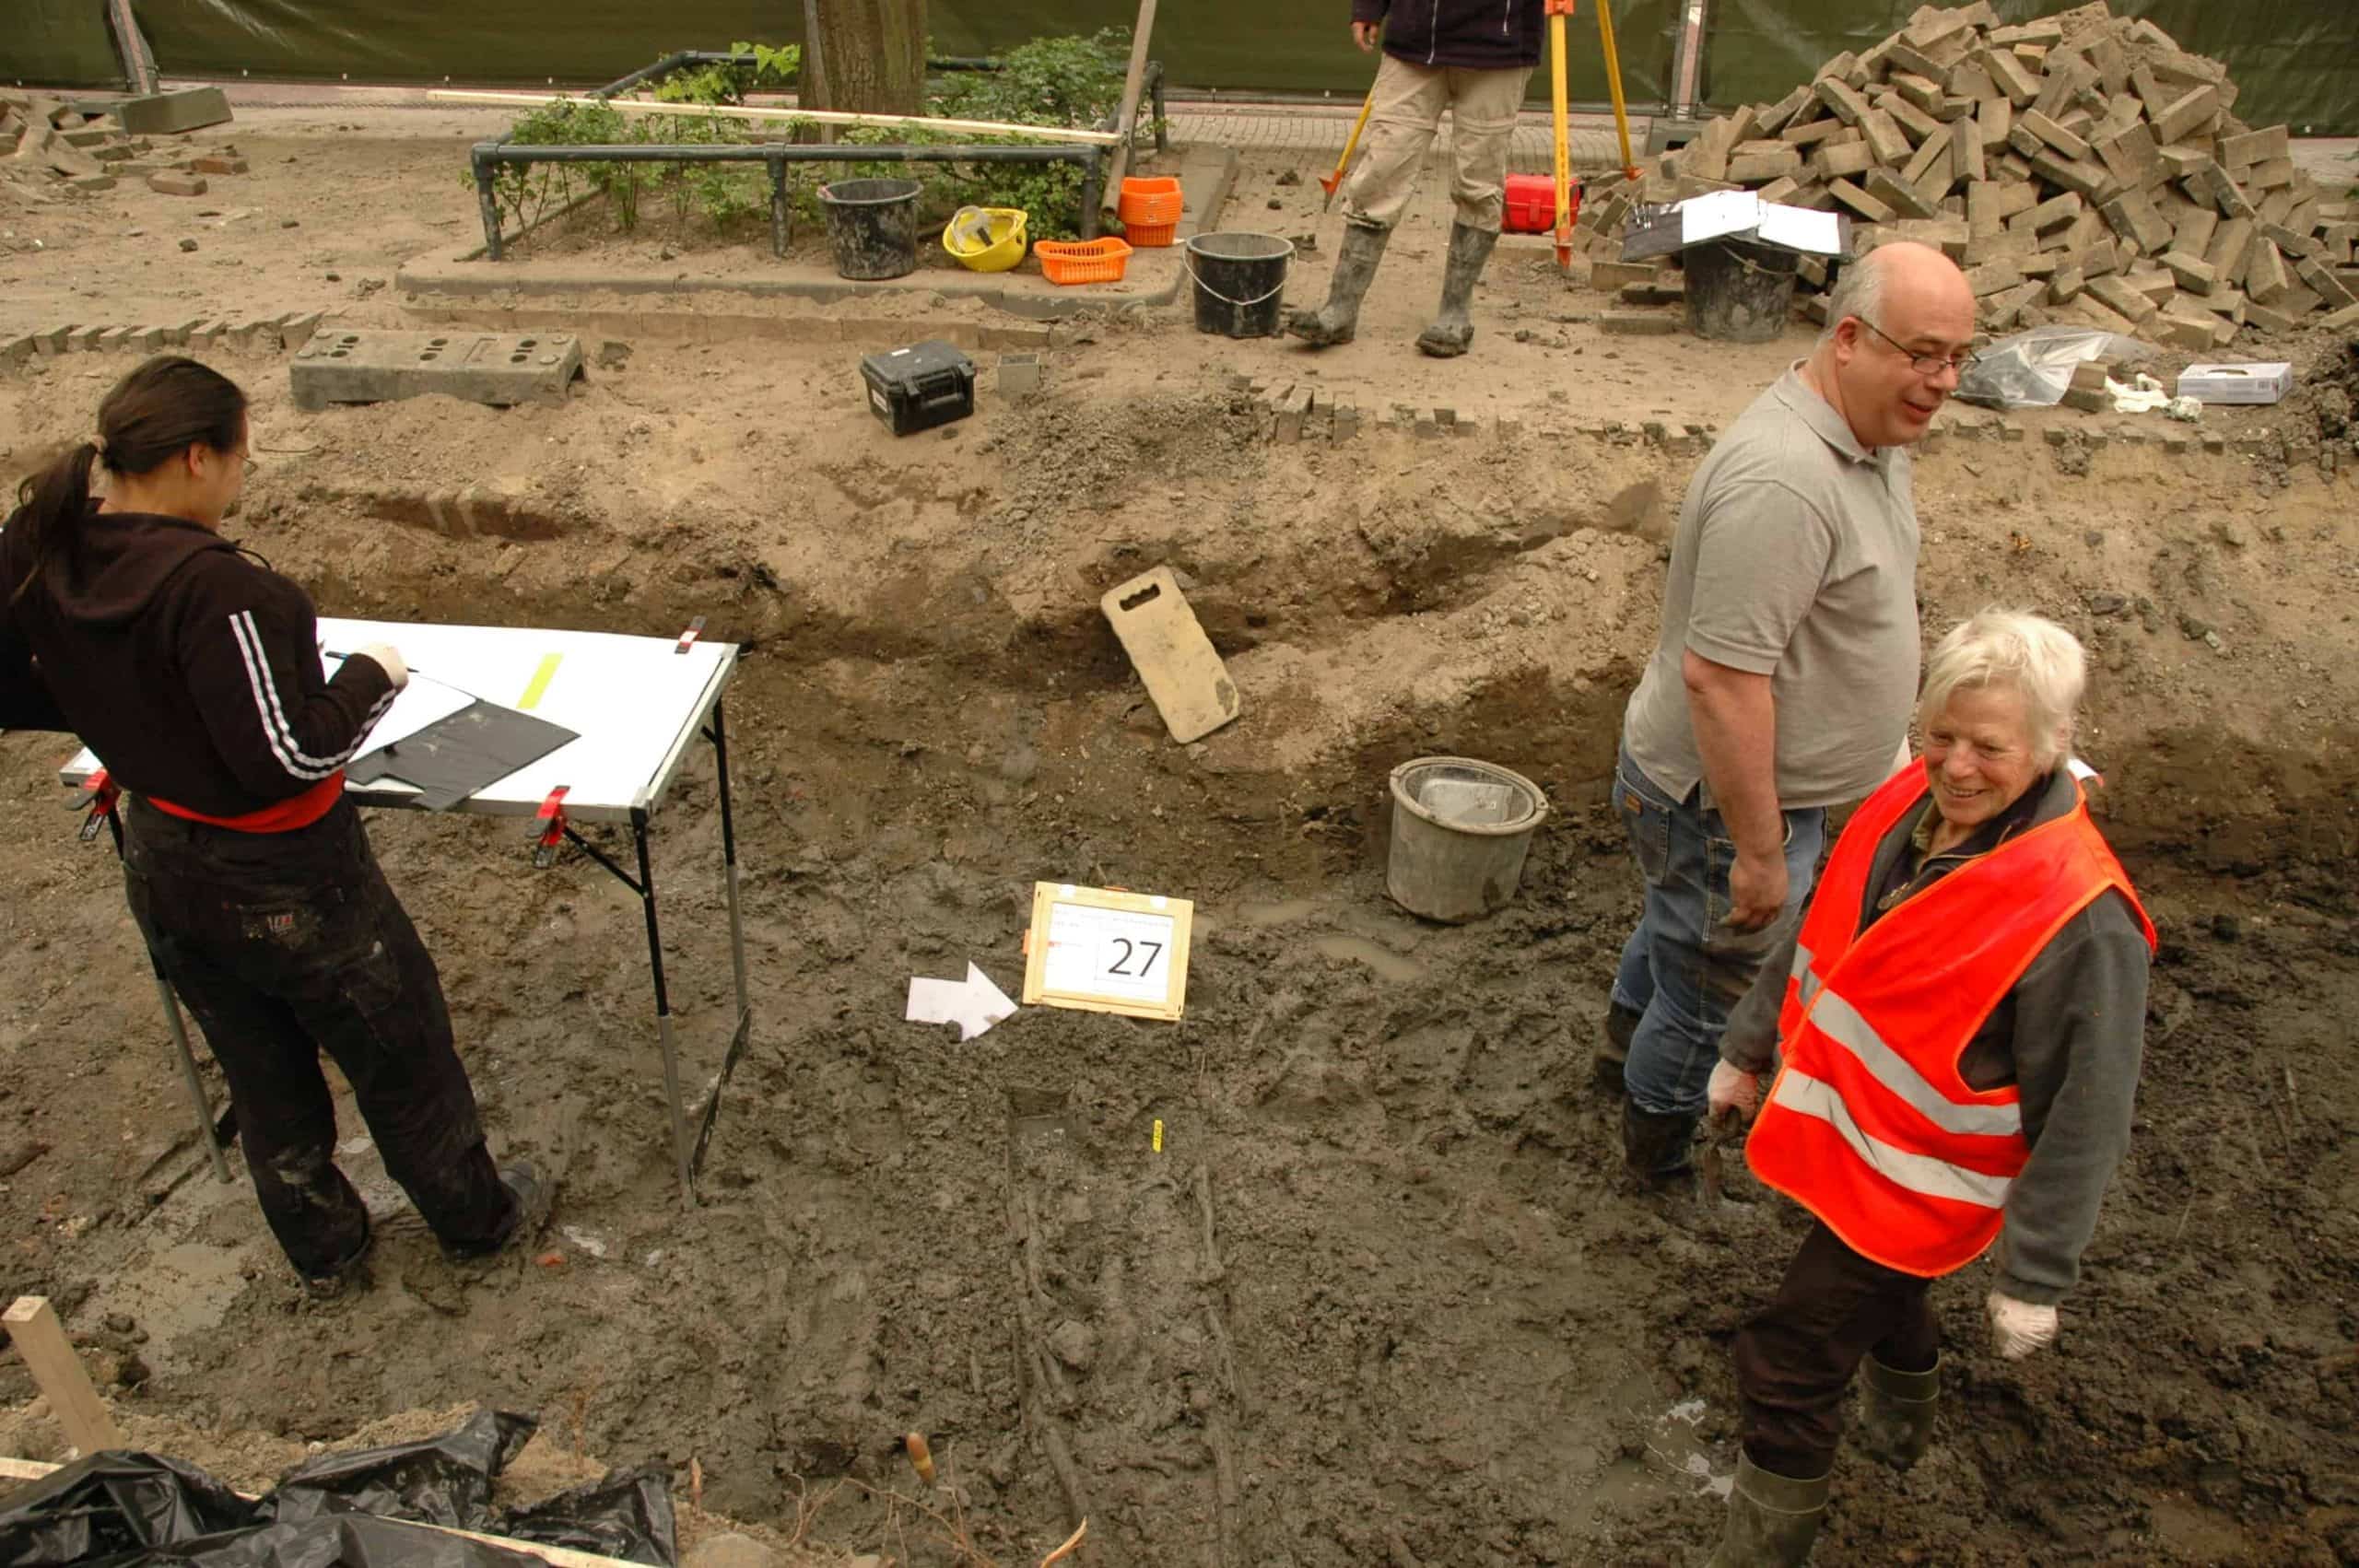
{"x":635,"y":704}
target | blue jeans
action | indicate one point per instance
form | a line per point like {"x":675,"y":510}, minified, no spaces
{"x":1684,"y":968}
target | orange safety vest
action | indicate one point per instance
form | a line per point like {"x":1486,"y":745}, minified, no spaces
{"x":1869,"y":1125}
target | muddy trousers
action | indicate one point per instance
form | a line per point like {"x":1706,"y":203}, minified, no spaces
{"x":283,"y":945}
{"x":1402,"y":125}
{"x":1795,"y":1358}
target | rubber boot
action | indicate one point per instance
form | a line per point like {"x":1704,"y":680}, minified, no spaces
{"x":535,"y":1195}
{"x":1896,"y":1413}
{"x":1657,"y":1149}
{"x":1470,"y":252}
{"x":1613,"y":1052}
{"x":1338,"y":320}
{"x":1772,"y":1519}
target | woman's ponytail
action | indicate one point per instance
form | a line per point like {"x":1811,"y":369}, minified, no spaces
{"x":52,"y":504}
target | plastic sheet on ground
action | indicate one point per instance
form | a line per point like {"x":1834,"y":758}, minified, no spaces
{"x":129,"y":1510}
{"x":2033,"y":369}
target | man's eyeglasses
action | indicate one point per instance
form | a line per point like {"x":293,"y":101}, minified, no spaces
{"x":1926,"y":364}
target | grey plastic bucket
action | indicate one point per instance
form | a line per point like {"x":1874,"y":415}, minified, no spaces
{"x":1739,"y":293}
{"x":1240,"y":282}
{"x":874,"y":226}
{"x":1461,"y":829}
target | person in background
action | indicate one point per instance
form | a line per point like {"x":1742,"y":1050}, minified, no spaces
{"x":192,"y":671}
{"x":1473,"y":58}
{"x":1960,"y":1019}
{"x":1782,"y":681}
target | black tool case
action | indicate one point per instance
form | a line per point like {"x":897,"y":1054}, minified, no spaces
{"x":919,"y":387}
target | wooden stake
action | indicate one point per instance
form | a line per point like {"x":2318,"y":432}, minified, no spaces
{"x":810,"y":116}
{"x":1126,"y":120}
{"x":58,"y":1374}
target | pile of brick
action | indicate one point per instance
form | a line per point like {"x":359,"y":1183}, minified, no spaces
{"x":2081,"y":167}
{"x":50,"y":149}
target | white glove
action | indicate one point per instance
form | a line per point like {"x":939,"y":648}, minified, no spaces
{"x":2018,"y":1328}
{"x":1732,"y":1089}
{"x":382,"y":655}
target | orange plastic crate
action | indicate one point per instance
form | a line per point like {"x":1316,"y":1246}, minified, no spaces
{"x":1150,"y":203}
{"x":1083,"y":260}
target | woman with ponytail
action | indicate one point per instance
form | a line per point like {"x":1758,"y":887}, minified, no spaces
{"x":191,"y":671}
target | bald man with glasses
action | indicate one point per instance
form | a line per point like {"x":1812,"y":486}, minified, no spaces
{"x":1782,"y":681}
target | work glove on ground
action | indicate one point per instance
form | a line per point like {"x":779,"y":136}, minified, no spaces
{"x":2019,"y":1328}
{"x":385,"y":658}
{"x":1732,"y":1089}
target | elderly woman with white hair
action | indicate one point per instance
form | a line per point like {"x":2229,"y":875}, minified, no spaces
{"x":1959,"y":1019}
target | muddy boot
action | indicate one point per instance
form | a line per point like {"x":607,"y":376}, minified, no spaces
{"x":1772,"y":1520}
{"x":1896,"y":1413}
{"x":1339,"y":318}
{"x":1470,"y":250}
{"x":535,"y":1195}
{"x":349,"y":1272}
{"x":1613,"y":1052}
{"x":1657,"y":1151}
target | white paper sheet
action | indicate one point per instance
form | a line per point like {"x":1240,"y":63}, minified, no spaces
{"x":1800,"y":229}
{"x":1110,"y":952}
{"x":1719,"y":213}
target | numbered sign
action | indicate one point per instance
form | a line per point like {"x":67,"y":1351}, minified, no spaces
{"x":1108,"y":951}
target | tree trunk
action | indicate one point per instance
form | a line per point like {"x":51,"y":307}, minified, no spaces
{"x":871,"y":55}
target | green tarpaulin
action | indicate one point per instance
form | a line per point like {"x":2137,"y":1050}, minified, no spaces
{"x":2294,"y":59}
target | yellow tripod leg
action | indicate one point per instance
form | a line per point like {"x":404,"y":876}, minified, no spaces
{"x":1613,"y":83}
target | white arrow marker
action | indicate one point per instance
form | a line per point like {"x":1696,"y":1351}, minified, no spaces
{"x":973,"y":1003}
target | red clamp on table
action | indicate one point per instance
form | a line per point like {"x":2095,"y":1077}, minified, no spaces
{"x":98,"y":799}
{"x":688,"y":638}
{"x":551,"y":830}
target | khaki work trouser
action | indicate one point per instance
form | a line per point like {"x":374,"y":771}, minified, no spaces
{"x":1409,"y":101}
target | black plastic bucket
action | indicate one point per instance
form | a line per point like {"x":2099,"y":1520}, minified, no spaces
{"x":1738,"y":292}
{"x":1240,"y":282}
{"x":874,"y":226}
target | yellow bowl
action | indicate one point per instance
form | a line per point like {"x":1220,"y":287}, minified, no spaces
{"x":999,"y":246}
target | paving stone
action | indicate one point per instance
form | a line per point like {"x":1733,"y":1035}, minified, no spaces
{"x":177,"y":184}
{"x":166,"y":113}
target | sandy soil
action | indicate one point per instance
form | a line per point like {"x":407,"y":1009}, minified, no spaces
{"x":1378,"y":1299}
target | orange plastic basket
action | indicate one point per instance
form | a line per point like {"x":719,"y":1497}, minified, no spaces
{"x":1150,"y":210}
{"x":1083,"y":260}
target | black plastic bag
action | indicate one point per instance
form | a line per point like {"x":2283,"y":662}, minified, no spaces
{"x":113,"y":1503}
{"x":629,"y":1514}
{"x":335,"y":1540}
{"x":441,"y":1481}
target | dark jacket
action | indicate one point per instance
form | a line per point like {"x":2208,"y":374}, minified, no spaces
{"x":1476,"y":35}
{"x":2069,"y":1036}
{"x":188,"y":667}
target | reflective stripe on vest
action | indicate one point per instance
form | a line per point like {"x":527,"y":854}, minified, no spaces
{"x":1800,"y":1092}
{"x":1871,"y":1126}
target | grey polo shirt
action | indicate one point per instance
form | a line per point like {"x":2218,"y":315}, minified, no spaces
{"x":1796,"y":558}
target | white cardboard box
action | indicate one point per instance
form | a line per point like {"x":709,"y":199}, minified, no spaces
{"x":2236,"y":383}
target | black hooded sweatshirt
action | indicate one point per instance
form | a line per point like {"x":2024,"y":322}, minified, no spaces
{"x":190,"y":668}
{"x":1475,"y":35}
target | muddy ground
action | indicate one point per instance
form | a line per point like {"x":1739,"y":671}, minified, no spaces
{"x":1379,"y":1298}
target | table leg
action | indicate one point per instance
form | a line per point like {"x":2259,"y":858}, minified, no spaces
{"x":188,"y":1075}
{"x":729,"y":859}
{"x":664,"y":1012}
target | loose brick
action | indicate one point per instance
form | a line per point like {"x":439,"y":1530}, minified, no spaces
{"x":1610,"y":276}
{"x":2072,"y":174}
{"x":51,"y":340}
{"x":176,"y":185}
{"x":2134,"y":218}
{"x":2192,"y":232}
{"x":2190,"y":271}
{"x":2276,"y":174}
{"x":1993,"y":277}
{"x":2064,"y":285}
{"x":2054,"y":135}
{"x":1885,"y":138}
{"x":2264,"y":273}
{"x":2185,"y":331}
{"x":112,"y":338}
{"x":1965,"y":153}
{"x":2124,"y":301}
{"x":1934,"y":150}
{"x":2322,"y":277}
{"x":1841,"y":158}
{"x":1846,"y":102}
{"x":2190,"y":112}
{"x":1898,"y":195}
{"x":2340,"y":320}
{"x":2014,"y":78}
{"x":1749,"y":166}
{"x":2055,"y":212}
{"x":2254,"y":147}
{"x":1638,"y":323}
{"x":1859,"y":201}
{"x":217,"y":165}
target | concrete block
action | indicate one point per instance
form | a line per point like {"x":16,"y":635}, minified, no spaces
{"x":1993,"y":277}
{"x":499,"y":369}
{"x":1914,"y":122}
{"x":1886,"y":139}
{"x":1899,"y":195}
{"x":2136,"y":219}
{"x":166,"y":113}
{"x":51,"y":340}
{"x":2264,"y":275}
{"x":1292,"y":414}
{"x":2322,"y":279}
{"x":2118,"y":296}
{"x":2013,"y":77}
{"x":1019,"y":375}
{"x":1859,"y":201}
{"x":2189,"y":272}
{"x":1837,"y":159}
{"x":176,"y":185}
{"x":112,"y":338}
{"x":148,"y":338}
{"x":1966,"y":154}
{"x":1756,"y":162}
{"x":1934,"y":150}
{"x":85,"y":340}
{"x":16,"y":350}
{"x":2184,"y":331}
{"x":2191,"y":231}
{"x":2064,"y":285}
{"x":2054,"y":135}
{"x":1639,"y":324}
{"x":1994,"y":117}
{"x":1347,"y":422}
